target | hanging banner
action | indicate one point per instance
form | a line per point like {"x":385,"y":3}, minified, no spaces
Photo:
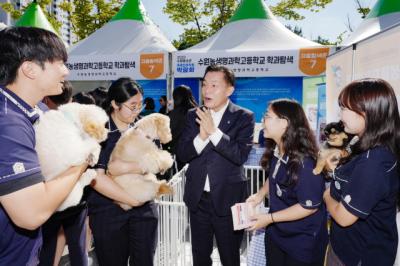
{"x":152,"y":65}
{"x":255,"y":93}
{"x":379,"y":57}
{"x":112,"y":67}
{"x":321,"y":115}
{"x":339,"y":71}
{"x":154,"y":89}
{"x":285,"y":63}
{"x":310,"y":98}
{"x":193,"y":83}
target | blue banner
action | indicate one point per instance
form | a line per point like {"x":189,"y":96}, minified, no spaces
{"x":154,"y":89}
{"x":255,"y":93}
{"x":193,"y":83}
{"x":321,"y":117}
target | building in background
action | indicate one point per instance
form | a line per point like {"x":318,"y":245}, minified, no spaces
{"x":62,"y":16}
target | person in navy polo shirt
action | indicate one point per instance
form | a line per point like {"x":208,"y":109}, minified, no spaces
{"x":296,"y":223}
{"x":121,"y":236}
{"x":363,"y":193}
{"x":31,"y":67}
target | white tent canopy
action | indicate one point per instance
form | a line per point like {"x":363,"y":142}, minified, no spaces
{"x":252,"y":35}
{"x":253,"y":43}
{"x":123,"y":37}
{"x":129,"y":45}
{"x":384,"y":14}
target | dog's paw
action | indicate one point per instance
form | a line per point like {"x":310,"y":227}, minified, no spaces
{"x":87,"y":177}
{"x":93,"y":156}
{"x":165,"y":161}
{"x":90,"y":160}
{"x":123,"y":206}
{"x":317,"y":171}
{"x":164,"y":189}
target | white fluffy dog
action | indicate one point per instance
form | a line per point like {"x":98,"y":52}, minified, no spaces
{"x":136,"y":145}
{"x":67,"y":137}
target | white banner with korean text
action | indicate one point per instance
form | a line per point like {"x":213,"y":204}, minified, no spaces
{"x":111,"y":67}
{"x":285,"y":63}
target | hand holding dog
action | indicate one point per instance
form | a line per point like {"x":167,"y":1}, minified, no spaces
{"x":332,"y":160}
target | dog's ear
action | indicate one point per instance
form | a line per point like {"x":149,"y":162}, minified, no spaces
{"x":94,"y":130}
{"x":163,"y":129}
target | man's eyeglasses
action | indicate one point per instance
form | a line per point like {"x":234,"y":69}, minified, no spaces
{"x":134,"y":108}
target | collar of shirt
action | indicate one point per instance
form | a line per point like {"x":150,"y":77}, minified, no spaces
{"x":217,"y":116}
{"x":113,"y":127}
{"x":31,"y":113}
{"x":283,"y":158}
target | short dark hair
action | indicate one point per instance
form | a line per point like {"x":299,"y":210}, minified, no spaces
{"x":229,"y":76}
{"x":83,"y":98}
{"x":149,"y":103}
{"x":21,"y":44}
{"x":120,"y":91}
{"x":99,"y":94}
{"x":64,"y":97}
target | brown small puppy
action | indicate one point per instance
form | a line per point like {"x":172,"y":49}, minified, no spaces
{"x":334,"y":148}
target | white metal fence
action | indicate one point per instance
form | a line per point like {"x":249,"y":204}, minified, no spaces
{"x":174,"y":244}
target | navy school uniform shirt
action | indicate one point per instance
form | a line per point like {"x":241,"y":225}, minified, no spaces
{"x":305,"y":239}
{"x":19,"y":168}
{"x":96,"y":201}
{"x":367,"y":186}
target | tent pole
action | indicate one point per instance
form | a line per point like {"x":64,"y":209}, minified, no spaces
{"x":170,"y":78}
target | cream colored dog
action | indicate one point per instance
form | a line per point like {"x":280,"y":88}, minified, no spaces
{"x":136,"y":145}
{"x":70,"y":136}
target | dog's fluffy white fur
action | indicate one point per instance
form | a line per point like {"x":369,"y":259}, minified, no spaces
{"x":67,"y":137}
{"x":136,"y":145}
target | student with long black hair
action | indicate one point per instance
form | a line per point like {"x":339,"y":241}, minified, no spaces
{"x":363,"y":193}
{"x":183,"y":102}
{"x":121,"y":236}
{"x":296,"y":231}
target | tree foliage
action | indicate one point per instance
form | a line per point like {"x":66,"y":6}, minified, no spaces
{"x":44,"y":4}
{"x":89,"y":15}
{"x":202,"y":18}
{"x":86,"y":16}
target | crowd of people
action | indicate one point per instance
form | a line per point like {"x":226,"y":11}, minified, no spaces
{"x":359,"y":196}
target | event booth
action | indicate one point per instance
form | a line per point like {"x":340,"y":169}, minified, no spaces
{"x":269,"y":60}
{"x":372,"y":52}
{"x":130,"y":45}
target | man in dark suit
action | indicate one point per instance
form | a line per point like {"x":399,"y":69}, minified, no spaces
{"x":216,"y":142}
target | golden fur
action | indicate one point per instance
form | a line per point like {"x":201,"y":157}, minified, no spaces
{"x":136,"y":145}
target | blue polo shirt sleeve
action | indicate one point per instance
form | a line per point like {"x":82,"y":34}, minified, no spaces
{"x":310,"y":187}
{"x":368,"y":183}
{"x":19,"y":163}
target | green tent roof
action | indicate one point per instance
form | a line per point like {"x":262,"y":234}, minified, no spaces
{"x":34,"y":17}
{"x":383,"y":7}
{"x":251,"y":9}
{"x":132,"y":10}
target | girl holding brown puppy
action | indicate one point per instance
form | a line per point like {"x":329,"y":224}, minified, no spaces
{"x":363,"y":193}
